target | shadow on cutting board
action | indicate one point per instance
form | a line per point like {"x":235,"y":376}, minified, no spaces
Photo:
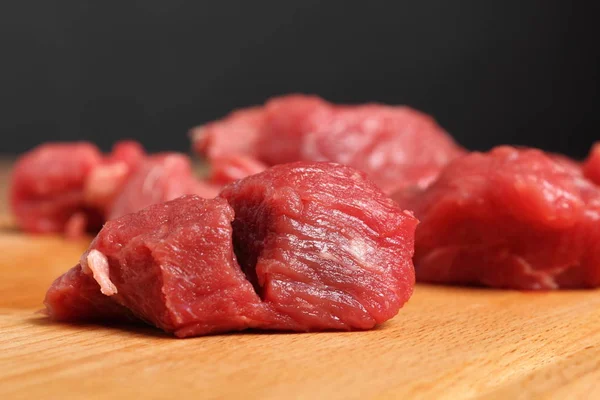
{"x":139,"y":328}
{"x":131,"y":329}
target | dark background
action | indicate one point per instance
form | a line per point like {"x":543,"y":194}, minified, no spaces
{"x":522,"y":72}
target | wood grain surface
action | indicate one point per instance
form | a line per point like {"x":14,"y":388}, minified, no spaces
{"x":5,"y":169}
{"x":447,"y":343}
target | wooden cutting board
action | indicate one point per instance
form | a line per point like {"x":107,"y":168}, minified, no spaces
{"x":446,"y":343}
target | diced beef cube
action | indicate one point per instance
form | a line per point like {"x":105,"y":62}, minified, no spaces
{"x":510,"y":218}
{"x":319,"y":247}
{"x":46,"y":192}
{"x":396,"y":146}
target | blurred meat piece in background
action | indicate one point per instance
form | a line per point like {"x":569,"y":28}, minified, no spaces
{"x":106,"y":180}
{"x":237,"y":134}
{"x":509,"y":218}
{"x":72,"y":188}
{"x":159,"y":178}
{"x":591,"y":166}
{"x":47,"y":188}
{"x":226,"y":169}
{"x":396,"y":146}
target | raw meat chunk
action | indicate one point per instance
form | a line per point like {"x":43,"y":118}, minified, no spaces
{"x":510,"y":218}
{"x":591,"y":167}
{"x":237,"y":133}
{"x":66,"y":187}
{"x":323,"y":245}
{"x":320,"y":247}
{"x":127,"y":151}
{"x":574,"y":167}
{"x":242,"y":143}
{"x":107,"y":179}
{"x":287,"y":120}
{"x":173,"y":265}
{"x":46,"y":193}
{"x":75,"y":296}
{"x":72,"y":188}
{"x":396,"y":146}
{"x":227,"y":169}
{"x":158,"y":179}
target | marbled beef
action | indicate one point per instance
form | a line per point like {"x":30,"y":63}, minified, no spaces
{"x":303,"y":247}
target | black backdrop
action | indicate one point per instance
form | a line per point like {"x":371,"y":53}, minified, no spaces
{"x":522,"y":72}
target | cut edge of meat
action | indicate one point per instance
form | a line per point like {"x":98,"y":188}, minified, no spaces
{"x":75,"y":297}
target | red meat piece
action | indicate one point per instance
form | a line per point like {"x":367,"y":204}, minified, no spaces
{"x":75,"y":296}
{"x":158,"y":179}
{"x":172,"y":265}
{"x":72,"y":188}
{"x":591,"y":167}
{"x":106,"y":180}
{"x":395,"y":146}
{"x":66,"y":187}
{"x":323,"y":247}
{"x":237,"y":133}
{"x":227,"y":169}
{"x":127,"y":151}
{"x":246,"y":141}
{"x":574,"y":167}
{"x":287,"y":120}
{"x":46,"y":192}
{"x":510,"y":218}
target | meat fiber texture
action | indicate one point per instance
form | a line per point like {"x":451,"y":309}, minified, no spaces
{"x":72,"y":188}
{"x":510,"y":218}
{"x":396,"y":146}
{"x":299,"y":247}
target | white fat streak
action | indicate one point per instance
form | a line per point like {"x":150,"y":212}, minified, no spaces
{"x":546,"y":278}
{"x":96,"y":263}
{"x":328,"y":256}
{"x":151,"y":179}
{"x":111,"y":172}
{"x":310,"y":148}
{"x":359,"y":250}
{"x":102,"y":180}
